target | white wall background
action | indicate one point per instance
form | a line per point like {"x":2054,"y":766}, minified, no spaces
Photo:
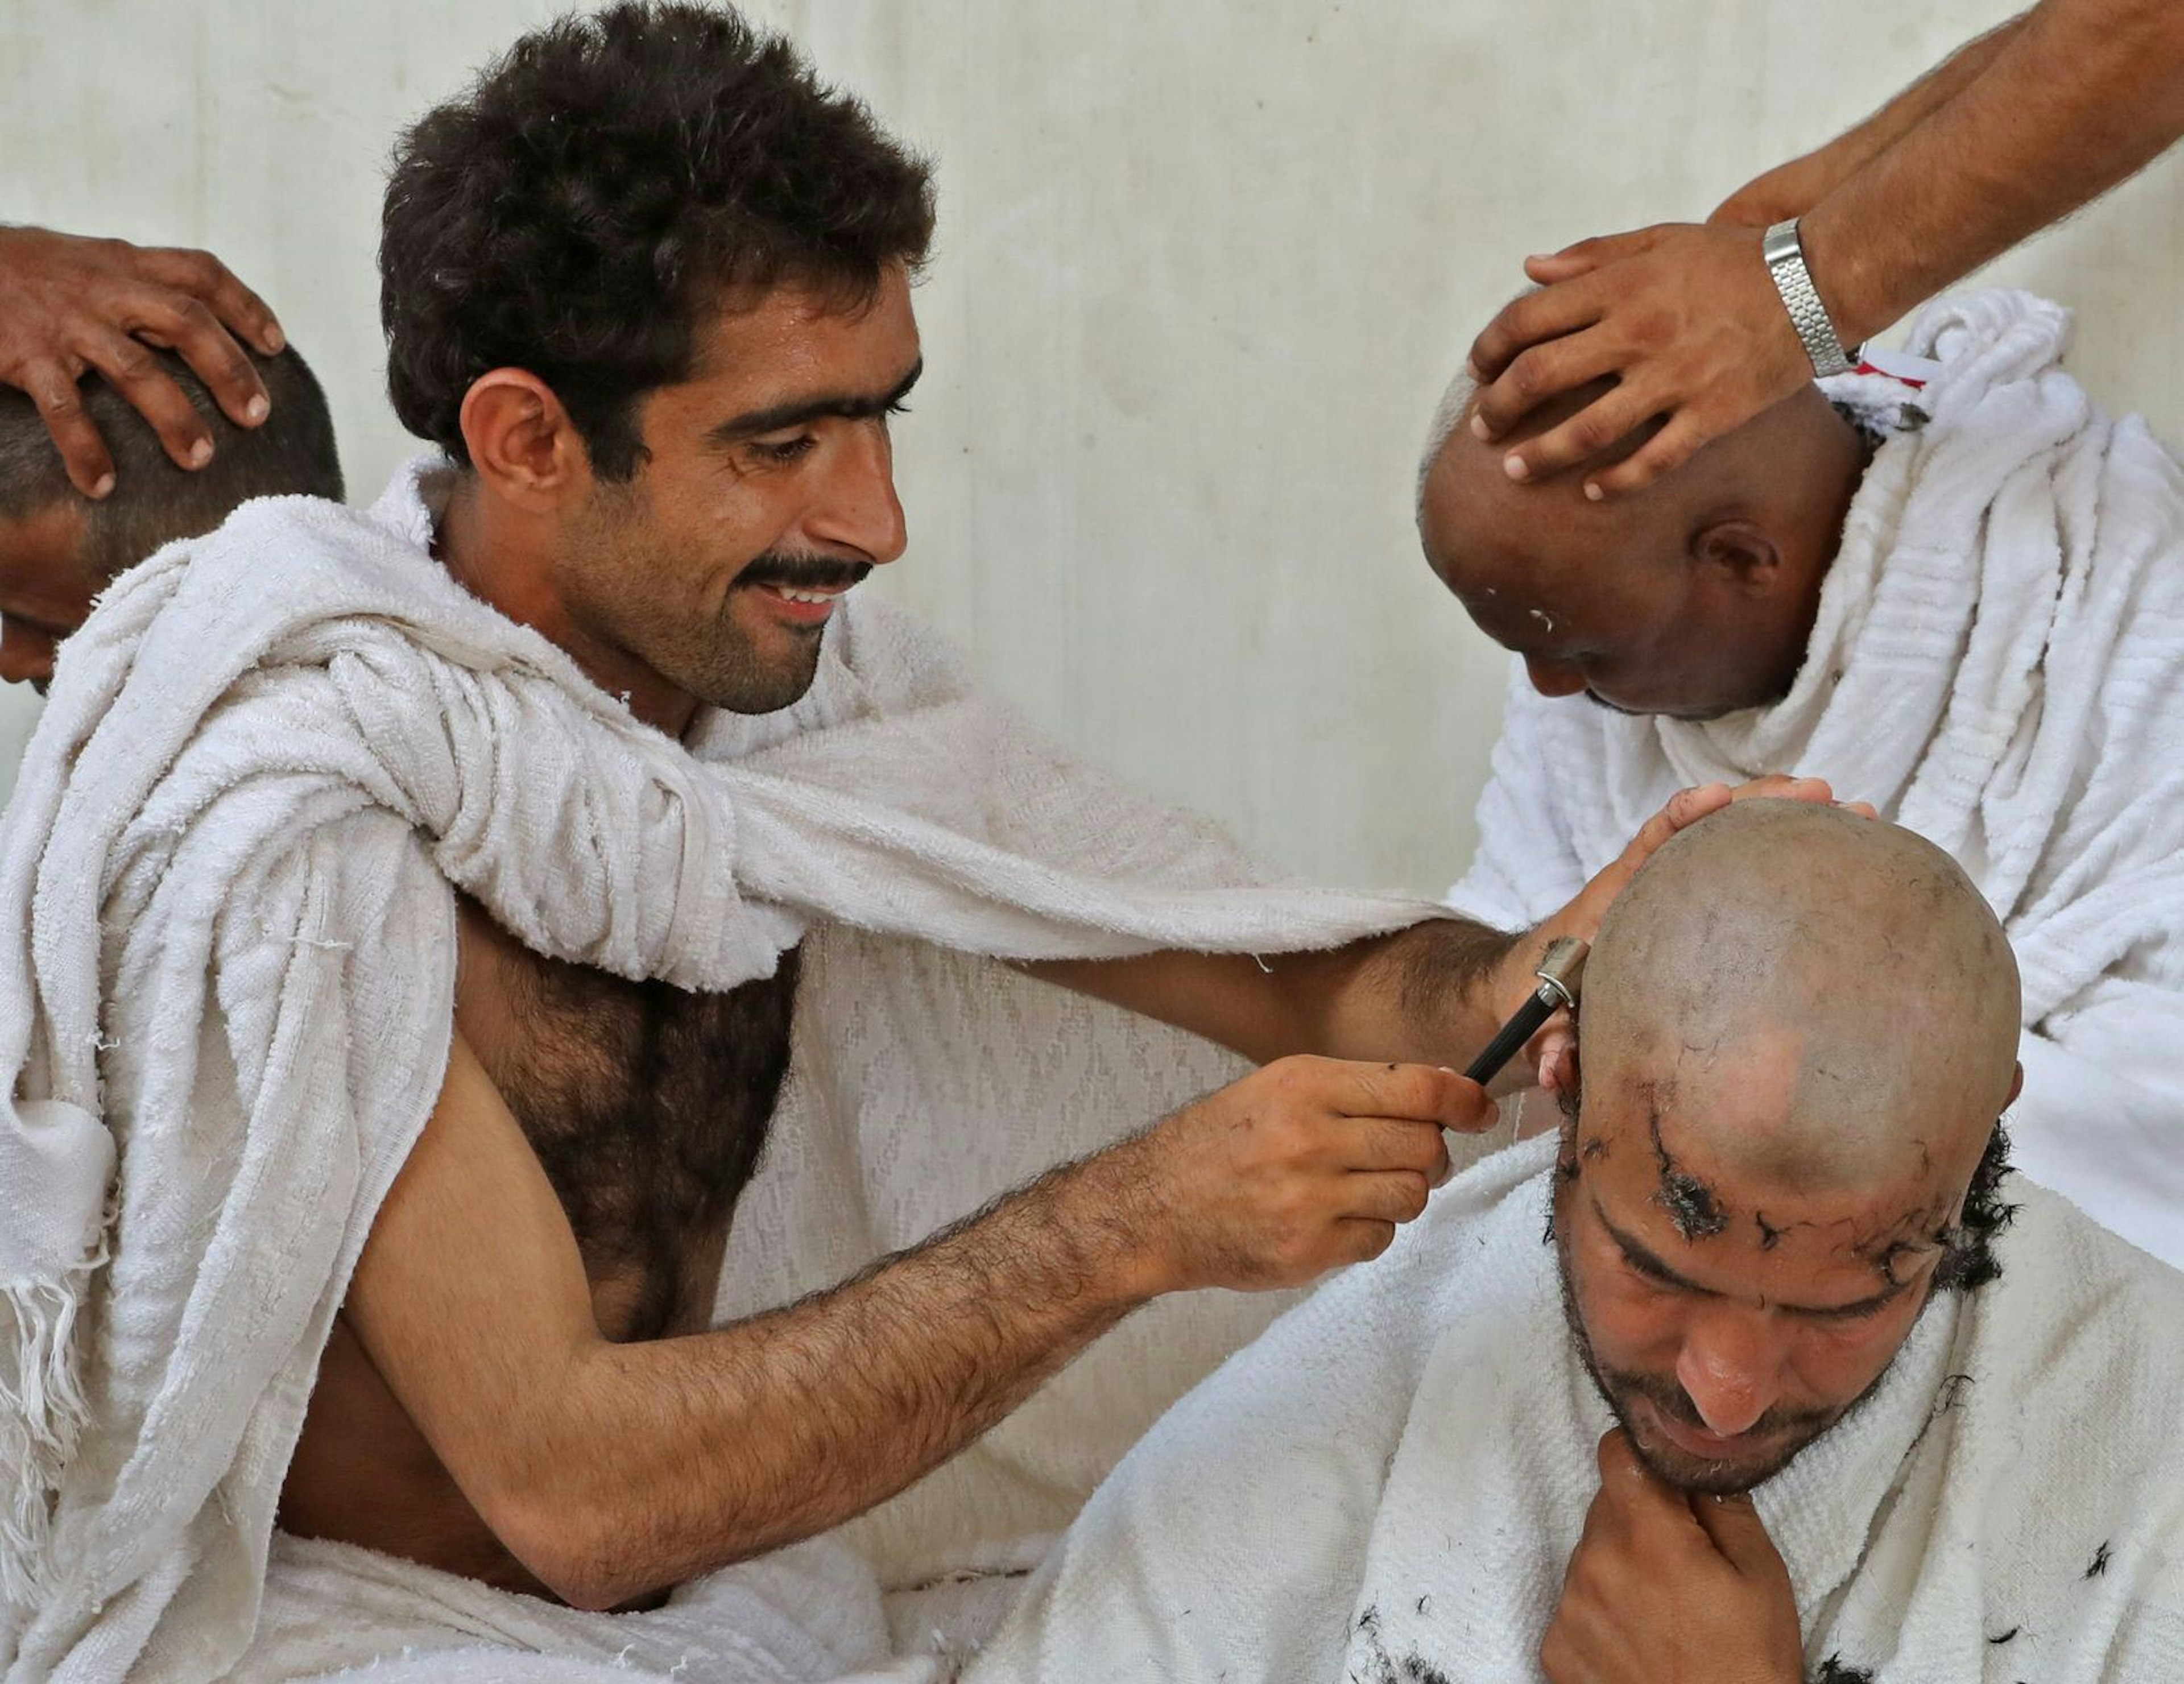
{"x":1203,"y":268}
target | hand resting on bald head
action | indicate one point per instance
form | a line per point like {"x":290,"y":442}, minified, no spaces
{"x":1693,"y":598}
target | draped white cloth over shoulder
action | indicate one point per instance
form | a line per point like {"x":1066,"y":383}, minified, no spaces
{"x":1998,"y":664}
{"x":266,"y":764}
{"x":1387,"y":1487}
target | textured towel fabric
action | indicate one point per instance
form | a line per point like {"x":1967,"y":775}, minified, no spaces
{"x":1999,"y":664}
{"x":1387,"y":1487}
{"x":332,"y":1611}
{"x":266,"y":763}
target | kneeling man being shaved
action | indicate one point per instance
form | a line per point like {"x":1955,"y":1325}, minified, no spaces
{"x":1795,"y":1385}
{"x":1964,"y":601}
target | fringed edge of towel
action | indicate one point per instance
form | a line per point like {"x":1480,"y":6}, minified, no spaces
{"x":43,"y":1412}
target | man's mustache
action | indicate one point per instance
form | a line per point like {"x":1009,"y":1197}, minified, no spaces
{"x":803,"y":573}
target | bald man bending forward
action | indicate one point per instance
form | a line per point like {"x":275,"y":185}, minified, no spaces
{"x":1774,"y":1396}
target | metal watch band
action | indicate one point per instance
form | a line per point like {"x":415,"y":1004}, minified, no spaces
{"x":1785,"y":262}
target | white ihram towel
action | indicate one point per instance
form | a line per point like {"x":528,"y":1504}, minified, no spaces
{"x":263,"y":766}
{"x":1999,"y":664}
{"x":1387,"y":1488}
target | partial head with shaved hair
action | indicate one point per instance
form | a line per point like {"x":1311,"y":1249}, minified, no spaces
{"x":1798,"y":1035}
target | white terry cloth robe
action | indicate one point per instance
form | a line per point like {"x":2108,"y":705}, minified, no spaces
{"x":1387,"y":1487}
{"x":267,"y":764}
{"x":1998,"y":664}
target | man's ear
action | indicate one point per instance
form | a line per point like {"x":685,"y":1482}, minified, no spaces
{"x":1740,"y":552}
{"x":523,"y":446}
{"x":2016,"y":1085}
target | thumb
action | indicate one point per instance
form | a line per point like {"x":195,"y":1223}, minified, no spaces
{"x":1734,"y":1525}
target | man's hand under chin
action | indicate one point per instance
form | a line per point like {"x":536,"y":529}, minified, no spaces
{"x":1666,"y":1587}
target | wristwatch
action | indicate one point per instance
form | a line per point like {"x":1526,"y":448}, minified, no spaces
{"x":1785,"y":262}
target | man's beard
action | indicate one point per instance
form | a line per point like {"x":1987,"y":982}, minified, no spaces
{"x":726,"y":671}
{"x":717,"y":661}
{"x":1620,"y":1388}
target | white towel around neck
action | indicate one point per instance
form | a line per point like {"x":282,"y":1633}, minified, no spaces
{"x":1387,"y":1487}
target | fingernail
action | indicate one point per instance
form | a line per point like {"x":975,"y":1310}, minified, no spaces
{"x":1514,"y":467}
{"x":1593,"y":494}
{"x":257,"y":410}
{"x":104,"y":488}
{"x":1478,"y":428}
{"x":1473,"y":369}
{"x":200,"y":453}
{"x":276,"y":341}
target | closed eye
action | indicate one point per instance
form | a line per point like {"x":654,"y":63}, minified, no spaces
{"x":1864,"y":1310}
{"x":784,"y":451}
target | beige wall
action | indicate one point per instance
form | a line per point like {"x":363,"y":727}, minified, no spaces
{"x":1203,"y":269}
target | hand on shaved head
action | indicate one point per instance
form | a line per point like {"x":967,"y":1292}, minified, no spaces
{"x":1693,"y":598}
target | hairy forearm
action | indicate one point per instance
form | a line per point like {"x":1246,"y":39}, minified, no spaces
{"x":2078,"y":97}
{"x":1433,"y":994}
{"x":1426,"y":994}
{"x":1925,"y":97}
{"x":677,"y":1456}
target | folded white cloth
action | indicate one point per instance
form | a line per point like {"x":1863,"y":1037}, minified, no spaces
{"x":263,"y":763}
{"x":334,"y":1611}
{"x":1999,"y":664}
{"x":1387,"y":1486}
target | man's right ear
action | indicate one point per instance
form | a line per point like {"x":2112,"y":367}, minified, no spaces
{"x":523,"y":447}
{"x":1741,"y":551}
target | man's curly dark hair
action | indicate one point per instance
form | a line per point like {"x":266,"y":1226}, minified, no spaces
{"x":598,"y":188}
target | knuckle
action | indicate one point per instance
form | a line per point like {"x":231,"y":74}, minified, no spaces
{"x":1296,"y":1253}
{"x":202,"y":269}
{"x":1596,"y":430}
{"x":193,"y":316}
{"x":130,"y":361}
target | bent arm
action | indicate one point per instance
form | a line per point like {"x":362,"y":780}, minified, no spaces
{"x":2078,"y":96}
{"x":612,"y":1470}
{"x":1425,"y":995}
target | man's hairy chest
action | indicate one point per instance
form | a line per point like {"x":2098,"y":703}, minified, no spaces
{"x":647,"y":1105}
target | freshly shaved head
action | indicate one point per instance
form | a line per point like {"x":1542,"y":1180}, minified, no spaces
{"x":1798,"y":1034}
{"x":1693,"y":597}
{"x":1833,"y":990}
